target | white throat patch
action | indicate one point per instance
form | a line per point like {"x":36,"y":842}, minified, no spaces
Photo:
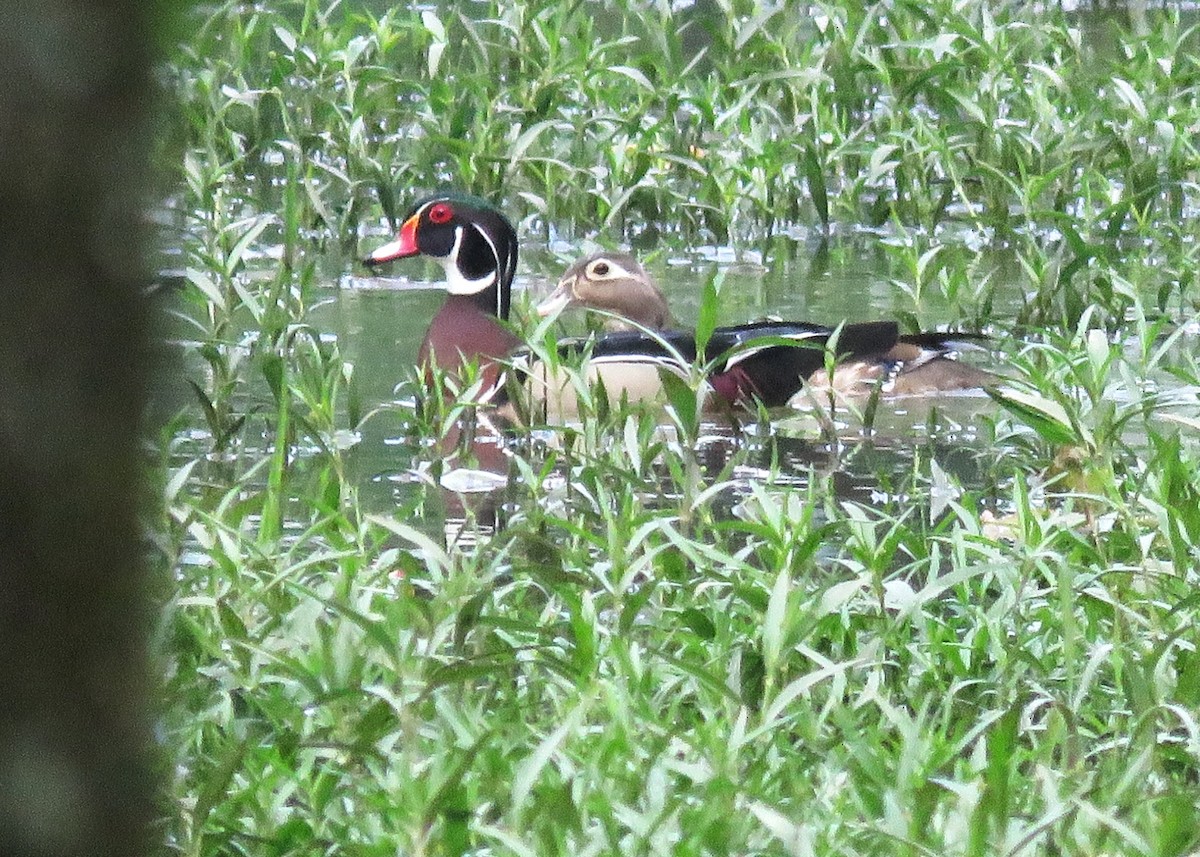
{"x":456,"y":283}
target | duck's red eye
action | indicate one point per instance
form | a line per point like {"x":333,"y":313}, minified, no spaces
{"x":441,"y":213}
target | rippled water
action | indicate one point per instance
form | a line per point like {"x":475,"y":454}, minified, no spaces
{"x":379,"y":322}
{"x":857,"y":275}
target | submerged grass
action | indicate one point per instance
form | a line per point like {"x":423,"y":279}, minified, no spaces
{"x":670,"y":644}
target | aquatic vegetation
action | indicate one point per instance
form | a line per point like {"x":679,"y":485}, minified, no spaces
{"x":806,"y":633}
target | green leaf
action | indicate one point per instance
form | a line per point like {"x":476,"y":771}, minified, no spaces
{"x":468,"y":617}
{"x":1177,"y":829}
{"x":526,"y":139}
{"x":255,"y":229}
{"x":752,"y":27}
{"x":1129,"y":95}
{"x":795,"y":838}
{"x":528,"y":771}
{"x":206,"y":405}
{"x":435,"y":556}
{"x":706,"y":322}
{"x":814,"y":173}
{"x":287,"y":37}
{"x":699,"y":623}
{"x":881,"y":163}
{"x":207,"y":287}
{"x":1190,"y":422}
{"x":178,"y":479}
{"x":216,"y":780}
{"x":1045,"y":416}
{"x":634,"y":75}
{"x":274,"y":368}
{"x":773,"y":623}
{"x":681,"y":398}
{"x":1001,"y":764}
{"x":583,"y":629}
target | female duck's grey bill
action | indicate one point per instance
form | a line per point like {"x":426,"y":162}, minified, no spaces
{"x":558,"y":300}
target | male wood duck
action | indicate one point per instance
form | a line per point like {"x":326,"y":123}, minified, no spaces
{"x":899,"y":364}
{"x":477,"y":247}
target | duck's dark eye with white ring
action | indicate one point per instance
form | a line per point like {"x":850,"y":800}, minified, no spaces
{"x":600,"y":269}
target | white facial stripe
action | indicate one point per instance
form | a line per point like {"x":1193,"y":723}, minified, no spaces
{"x":614,"y":272}
{"x":499,"y":264}
{"x":456,"y":283}
{"x":488,"y":239}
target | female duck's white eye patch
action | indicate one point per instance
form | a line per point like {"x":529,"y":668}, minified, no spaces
{"x":599,"y":268}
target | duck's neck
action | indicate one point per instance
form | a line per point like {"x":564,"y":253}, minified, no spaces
{"x":464,"y":332}
{"x":493,"y":300}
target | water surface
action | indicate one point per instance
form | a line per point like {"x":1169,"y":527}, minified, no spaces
{"x":379,"y":322}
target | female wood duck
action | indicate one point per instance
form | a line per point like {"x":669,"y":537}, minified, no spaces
{"x":900,"y":365}
{"x":477,"y":247}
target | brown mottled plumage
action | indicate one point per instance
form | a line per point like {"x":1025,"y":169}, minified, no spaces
{"x":615,"y":282}
{"x":906,"y":365}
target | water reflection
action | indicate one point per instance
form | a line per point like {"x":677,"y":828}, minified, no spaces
{"x":473,"y":473}
{"x":379,"y":323}
{"x":401,"y":467}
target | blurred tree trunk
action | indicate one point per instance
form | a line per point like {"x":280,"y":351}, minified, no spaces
{"x":75,"y":90}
